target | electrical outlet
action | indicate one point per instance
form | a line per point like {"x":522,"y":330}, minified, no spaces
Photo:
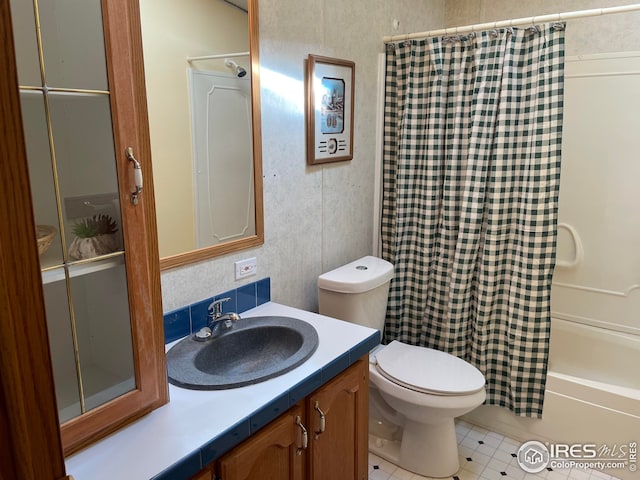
{"x":246,"y":268}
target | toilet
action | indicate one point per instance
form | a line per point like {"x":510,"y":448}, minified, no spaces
{"x":415,"y":392}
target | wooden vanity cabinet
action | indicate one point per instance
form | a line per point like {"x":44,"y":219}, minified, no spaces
{"x":339,"y":452}
{"x":207,"y":473}
{"x":274,"y":453}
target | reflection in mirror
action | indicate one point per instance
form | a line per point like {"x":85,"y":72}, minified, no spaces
{"x":223,"y":158}
{"x":204,"y":114}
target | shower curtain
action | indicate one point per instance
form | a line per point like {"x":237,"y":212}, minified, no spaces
{"x":471,"y":171}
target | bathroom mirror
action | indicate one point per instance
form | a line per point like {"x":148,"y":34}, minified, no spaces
{"x":204,"y":117}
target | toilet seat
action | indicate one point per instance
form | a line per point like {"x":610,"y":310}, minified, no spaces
{"x":427,"y":370}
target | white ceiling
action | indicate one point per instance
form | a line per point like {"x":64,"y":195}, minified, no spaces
{"x":241,"y":4}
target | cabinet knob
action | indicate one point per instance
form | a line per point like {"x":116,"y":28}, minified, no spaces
{"x":137,"y":175}
{"x":323,"y":421}
{"x":305,"y":436}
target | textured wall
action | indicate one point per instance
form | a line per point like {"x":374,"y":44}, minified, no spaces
{"x":320,"y":217}
{"x":316,"y":218}
{"x":610,"y":33}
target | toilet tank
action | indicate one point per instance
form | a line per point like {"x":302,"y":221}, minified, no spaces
{"x":357,"y":292}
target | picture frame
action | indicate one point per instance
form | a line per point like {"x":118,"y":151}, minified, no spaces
{"x":329,"y":85}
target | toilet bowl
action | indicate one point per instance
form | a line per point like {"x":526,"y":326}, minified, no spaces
{"x":425,"y":389}
{"x":415,"y":392}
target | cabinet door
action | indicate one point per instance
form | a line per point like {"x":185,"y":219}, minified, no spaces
{"x":207,"y":473}
{"x":274,"y":453}
{"x":338,"y":419}
{"x":81,"y":86}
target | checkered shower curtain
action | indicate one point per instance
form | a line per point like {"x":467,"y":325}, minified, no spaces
{"x":472,"y":140}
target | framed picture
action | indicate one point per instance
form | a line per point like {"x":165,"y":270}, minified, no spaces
{"x":329,"y":88}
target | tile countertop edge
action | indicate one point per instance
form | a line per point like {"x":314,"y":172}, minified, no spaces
{"x":177,"y":454}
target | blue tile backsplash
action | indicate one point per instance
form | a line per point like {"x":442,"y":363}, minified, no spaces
{"x":177,"y":324}
{"x":186,"y":320}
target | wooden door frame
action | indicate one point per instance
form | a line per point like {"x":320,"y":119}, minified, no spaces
{"x":30,"y":441}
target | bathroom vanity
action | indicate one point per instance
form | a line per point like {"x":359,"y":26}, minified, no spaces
{"x":323,"y":436}
{"x":257,"y":429}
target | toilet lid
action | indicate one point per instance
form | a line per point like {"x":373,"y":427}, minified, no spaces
{"x":427,"y":370}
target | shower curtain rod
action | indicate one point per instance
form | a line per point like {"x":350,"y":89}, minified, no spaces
{"x":222,"y":55}
{"x":555,"y":17}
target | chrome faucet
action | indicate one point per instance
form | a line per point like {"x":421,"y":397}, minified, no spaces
{"x":217,"y":322}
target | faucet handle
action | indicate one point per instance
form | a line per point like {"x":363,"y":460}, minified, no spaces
{"x":215,"y":309}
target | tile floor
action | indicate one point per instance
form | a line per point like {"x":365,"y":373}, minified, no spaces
{"x":484,"y":455}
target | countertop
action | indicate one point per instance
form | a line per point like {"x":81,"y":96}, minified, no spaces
{"x":197,"y":426}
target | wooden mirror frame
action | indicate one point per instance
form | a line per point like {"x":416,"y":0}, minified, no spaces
{"x":258,"y":238}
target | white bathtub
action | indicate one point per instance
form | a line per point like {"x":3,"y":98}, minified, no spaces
{"x":592,"y":393}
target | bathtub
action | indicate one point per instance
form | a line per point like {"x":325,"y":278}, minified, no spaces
{"x":592,"y":393}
